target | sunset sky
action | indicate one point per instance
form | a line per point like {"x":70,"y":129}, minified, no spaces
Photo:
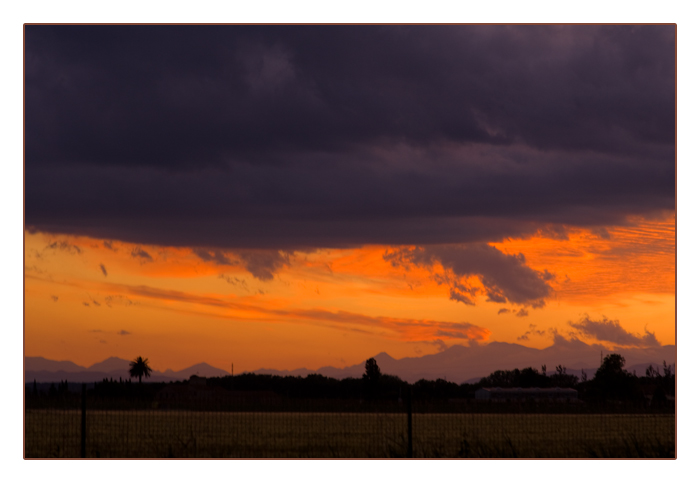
{"x":302,"y":196}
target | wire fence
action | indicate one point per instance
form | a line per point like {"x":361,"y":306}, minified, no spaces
{"x":224,"y":426}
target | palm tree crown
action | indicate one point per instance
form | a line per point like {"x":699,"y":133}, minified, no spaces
{"x":139,"y":367}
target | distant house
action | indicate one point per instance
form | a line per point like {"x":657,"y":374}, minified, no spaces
{"x":528,"y":393}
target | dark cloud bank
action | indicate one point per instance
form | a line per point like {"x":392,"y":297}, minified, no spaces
{"x":611,"y":331}
{"x":297,"y":137}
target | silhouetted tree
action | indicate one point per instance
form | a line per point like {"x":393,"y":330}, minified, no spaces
{"x":659,"y":397}
{"x":652,"y":372}
{"x":139,"y":368}
{"x":528,"y":377}
{"x":371,"y":378}
{"x":372,"y":371}
{"x":612,"y":365}
{"x":663,"y":384}
{"x":561,"y":379}
{"x":438,"y":389}
{"x":611,"y":381}
{"x":667,"y":371}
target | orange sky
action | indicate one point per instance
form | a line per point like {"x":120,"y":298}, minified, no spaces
{"x":328,"y":307}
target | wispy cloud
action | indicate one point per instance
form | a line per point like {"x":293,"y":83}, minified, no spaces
{"x":178,"y":296}
{"x":54,"y":298}
{"x":94,"y":302}
{"x":532,"y":331}
{"x":64,"y":246}
{"x":235,"y":281}
{"x":104,"y":270}
{"x":216,"y":256}
{"x":123,"y":332}
{"x":405,"y":329}
{"x":140,"y":253}
{"x":34,"y":269}
{"x":441,"y":346}
{"x":118,"y":300}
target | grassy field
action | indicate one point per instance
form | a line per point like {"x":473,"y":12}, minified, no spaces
{"x":184,"y":434}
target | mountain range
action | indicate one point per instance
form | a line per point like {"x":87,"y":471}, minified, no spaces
{"x":46,"y":370}
{"x":457,"y":364}
{"x":470,"y":363}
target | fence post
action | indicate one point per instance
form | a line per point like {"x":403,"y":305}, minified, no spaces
{"x":410,"y":422}
{"x":83,"y":421}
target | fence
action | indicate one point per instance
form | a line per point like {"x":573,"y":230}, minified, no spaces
{"x":217,"y":426}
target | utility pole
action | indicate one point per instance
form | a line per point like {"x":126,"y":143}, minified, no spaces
{"x":409,"y":413}
{"x":83,"y":420}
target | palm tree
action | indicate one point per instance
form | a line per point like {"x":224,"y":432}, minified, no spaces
{"x":139,"y":367}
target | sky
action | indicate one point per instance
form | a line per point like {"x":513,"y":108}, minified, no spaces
{"x":303,"y":196}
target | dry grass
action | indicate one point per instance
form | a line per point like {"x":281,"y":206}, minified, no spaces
{"x":184,"y":434}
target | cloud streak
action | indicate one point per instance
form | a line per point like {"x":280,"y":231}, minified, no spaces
{"x":392,"y":327}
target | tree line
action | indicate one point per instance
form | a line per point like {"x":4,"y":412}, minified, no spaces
{"x":611,"y":382}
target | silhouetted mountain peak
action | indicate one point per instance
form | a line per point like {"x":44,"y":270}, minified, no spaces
{"x":383,"y":357}
{"x":110,"y":364}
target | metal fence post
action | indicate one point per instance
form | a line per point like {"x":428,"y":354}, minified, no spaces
{"x":410,"y":423}
{"x":83,"y":421}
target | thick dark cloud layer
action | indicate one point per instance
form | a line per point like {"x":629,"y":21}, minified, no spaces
{"x":290,"y":136}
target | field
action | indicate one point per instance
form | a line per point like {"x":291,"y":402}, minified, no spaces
{"x":195,"y":434}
